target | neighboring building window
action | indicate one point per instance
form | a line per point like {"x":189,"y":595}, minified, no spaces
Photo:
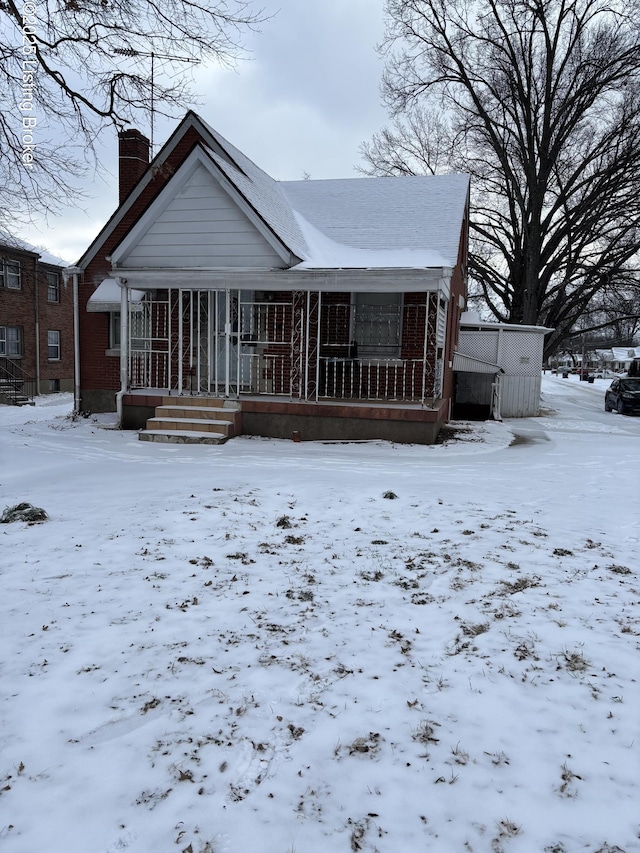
{"x":11,"y":341}
{"x":10,"y":274}
{"x":53,"y":346}
{"x":53,"y":287}
{"x":54,"y":386}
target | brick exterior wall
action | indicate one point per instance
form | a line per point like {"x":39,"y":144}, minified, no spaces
{"x":29,"y":308}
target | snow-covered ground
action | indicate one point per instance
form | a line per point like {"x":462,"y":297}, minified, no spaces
{"x":267,"y":647}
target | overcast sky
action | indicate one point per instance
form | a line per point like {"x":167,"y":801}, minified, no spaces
{"x":303,"y":103}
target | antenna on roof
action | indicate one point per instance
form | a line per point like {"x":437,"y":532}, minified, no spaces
{"x":132,"y":52}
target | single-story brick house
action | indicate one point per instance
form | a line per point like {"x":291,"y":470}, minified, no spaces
{"x":325,"y":308}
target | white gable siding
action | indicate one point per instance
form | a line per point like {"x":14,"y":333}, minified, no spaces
{"x":202,"y":227}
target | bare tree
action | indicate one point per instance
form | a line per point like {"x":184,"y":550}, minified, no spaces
{"x":68,"y":68}
{"x":539,"y":100}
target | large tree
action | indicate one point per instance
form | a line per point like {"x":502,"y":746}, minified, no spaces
{"x":68,"y":68}
{"x":539,"y":100}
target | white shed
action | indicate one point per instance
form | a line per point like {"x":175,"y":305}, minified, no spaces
{"x":497,"y":369}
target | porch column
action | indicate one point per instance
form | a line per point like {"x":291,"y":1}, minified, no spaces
{"x":124,"y":335}
{"x":318,"y":343}
{"x":227,"y":342}
{"x":423,"y":393}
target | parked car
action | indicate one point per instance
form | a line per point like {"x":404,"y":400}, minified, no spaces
{"x":623,"y":395}
{"x":585,"y":375}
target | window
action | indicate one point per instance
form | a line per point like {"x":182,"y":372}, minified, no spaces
{"x":53,"y":287}
{"x":114,"y":330}
{"x":138,"y":331}
{"x":377,"y":324}
{"x":10,"y":274}
{"x":53,"y":346}
{"x":11,"y":341}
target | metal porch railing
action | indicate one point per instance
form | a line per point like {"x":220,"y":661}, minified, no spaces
{"x":230,"y":343}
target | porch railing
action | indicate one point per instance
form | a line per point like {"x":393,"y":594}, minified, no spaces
{"x":229,"y":343}
{"x":16,"y":385}
{"x":372,"y":379}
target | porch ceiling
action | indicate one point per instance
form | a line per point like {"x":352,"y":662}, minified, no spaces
{"x":328,"y":281}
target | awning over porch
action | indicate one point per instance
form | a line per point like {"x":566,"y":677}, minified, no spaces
{"x":107,"y":296}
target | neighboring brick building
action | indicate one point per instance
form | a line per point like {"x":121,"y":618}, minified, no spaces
{"x":36,"y":322}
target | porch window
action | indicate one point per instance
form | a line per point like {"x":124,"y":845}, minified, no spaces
{"x":10,"y":274}
{"x":11,"y":341}
{"x":138,"y":330}
{"x":53,"y":345}
{"x":377,"y":324}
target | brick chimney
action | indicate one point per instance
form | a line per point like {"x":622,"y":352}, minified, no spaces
{"x":133,"y":156}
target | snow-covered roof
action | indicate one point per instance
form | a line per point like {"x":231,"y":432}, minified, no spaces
{"x":107,"y":296}
{"x":354,"y":223}
{"x":471,"y":319}
{"x":412,"y":221}
{"x":12,"y":242}
{"x":417,"y":218}
{"x":625,"y":353}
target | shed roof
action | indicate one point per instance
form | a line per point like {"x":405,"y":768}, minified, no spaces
{"x":471,"y":320}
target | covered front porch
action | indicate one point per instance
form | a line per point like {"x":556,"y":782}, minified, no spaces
{"x":306,"y":346}
{"x":321,"y":365}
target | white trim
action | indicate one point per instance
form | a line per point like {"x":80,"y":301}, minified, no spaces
{"x":329,"y":281}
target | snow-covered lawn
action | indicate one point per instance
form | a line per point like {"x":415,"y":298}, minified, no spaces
{"x":267,"y":647}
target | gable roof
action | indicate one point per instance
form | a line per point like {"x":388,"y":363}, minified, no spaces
{"x":355,"y":223}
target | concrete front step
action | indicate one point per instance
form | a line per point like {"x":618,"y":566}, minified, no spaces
{"x":189,"y":425}
{"x":201,"y":402}
{"x":172,"y":437}
{"x":191,"y":412}
{"x":192,"y":420}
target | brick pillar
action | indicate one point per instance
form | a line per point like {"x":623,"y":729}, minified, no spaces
{"x":133,"y":157}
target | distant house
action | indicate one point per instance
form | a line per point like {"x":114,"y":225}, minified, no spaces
{"x":36,"y":322}
{"x":618,"y":358}
{"x":326,"y":308}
